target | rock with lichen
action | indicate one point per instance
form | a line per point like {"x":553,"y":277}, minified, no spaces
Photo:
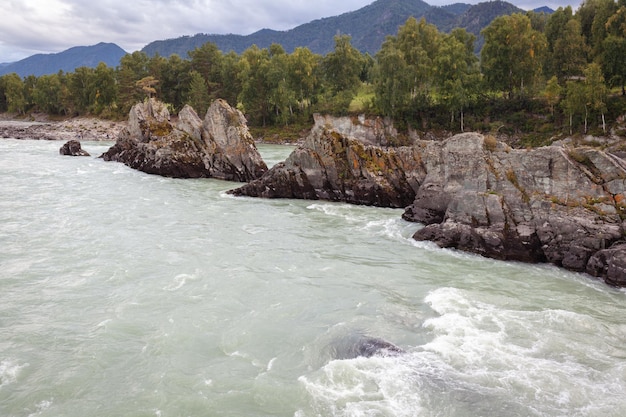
{"x":220,"y":146}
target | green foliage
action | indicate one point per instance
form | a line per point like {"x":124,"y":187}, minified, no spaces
{"x":342,"y":69}
{"x":423,"y":78}
{"x":552,"y":93}
{"x":198,"y":96}
{"x":512,"y":56}
{"x":13,"y":87}
{"x":457,"y":74}
{"x":570,"y":52}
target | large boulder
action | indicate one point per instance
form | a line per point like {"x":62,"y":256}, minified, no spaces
{"x":331,"y":166}
{"x":220,"y":146}
{"x":552,"y":204}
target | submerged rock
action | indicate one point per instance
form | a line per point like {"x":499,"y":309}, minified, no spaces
{"x":73,"y":148}
{"x":220,"y":146}
{"x":354,"y":346}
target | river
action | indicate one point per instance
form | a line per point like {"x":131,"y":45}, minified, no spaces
{"x":127,"y":294}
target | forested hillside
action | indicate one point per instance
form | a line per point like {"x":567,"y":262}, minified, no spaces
{"x":537,"y":76}
{"x":367,"y":26}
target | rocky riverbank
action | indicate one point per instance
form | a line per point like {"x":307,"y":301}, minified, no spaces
{"x":557,"y":204}
{"x":562,"y":204}
{"x":40,"y":127}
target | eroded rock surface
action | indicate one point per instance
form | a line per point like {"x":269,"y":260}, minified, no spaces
{"x":552,"y":204}
{"x":331,"y":166}
{"x":220,"y":146}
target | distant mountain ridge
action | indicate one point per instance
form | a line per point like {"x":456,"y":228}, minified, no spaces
{"x":367,"y":26}
{"x":67,"y":61}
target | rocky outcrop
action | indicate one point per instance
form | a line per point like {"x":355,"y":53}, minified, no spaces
{"x":552,"y":204}
{"x":376,"y":131}
{"x":330,"y":166}
{"x":220,"y":146}
{"x":73,"y":148}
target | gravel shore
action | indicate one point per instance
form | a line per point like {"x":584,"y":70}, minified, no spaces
{"x":78,"y":128}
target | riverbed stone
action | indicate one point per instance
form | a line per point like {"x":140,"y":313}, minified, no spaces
{"x":73,"y":148}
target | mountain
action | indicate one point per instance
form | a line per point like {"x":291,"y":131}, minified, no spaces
{"x":67,"y":61}
{"x":368,"y":27}
{"x":543,"y":9}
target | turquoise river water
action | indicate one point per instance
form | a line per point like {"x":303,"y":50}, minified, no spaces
{"x":127,"y":294}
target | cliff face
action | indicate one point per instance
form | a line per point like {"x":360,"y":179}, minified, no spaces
{"x":219,"y":146}
{"x":557,"y":205}
{"x":331,"y":166}
{"x":552,"y":204}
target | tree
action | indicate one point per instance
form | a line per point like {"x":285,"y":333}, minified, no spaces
{"x":281,"y":97}
{"x":569,"y":57}
{"x":614,"y":49}
{"x":231,"y":81}
{"x":303,"y":77}
{"x":419,"y":44}
{"x":574,"y":102}
{"x":207,"y":60}
{"x":392,"y":80}
{"x":342,"y":68}
{"x":103,"y":89}
{"x":614,"y":61}
{"x":175,"y":81}
{"x":404,"y":73}
{"x":604,"y":10}
{"x":456,"y":72}
{"x":255,"y":88}
{"x":133,"y":67}
{"x":511,"y":56}
{"x":595,"y":92}
{"x":198,"y":96}
{"x":553,"y":32}
{"x":147,"y":85}
{"x":80,"y":88}
{"x":14,"y":93}
{"x":552,"y":93}
{"x":47,"y":94}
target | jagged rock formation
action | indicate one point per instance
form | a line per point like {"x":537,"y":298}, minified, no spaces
{"x":218,"y":147}
{"x":551,"y":204}
{"x":330,"y":166}
{"x":371,"y":131}
{"x":73,"y":148}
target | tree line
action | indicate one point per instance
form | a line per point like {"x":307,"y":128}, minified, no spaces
{"x":563,"y":66}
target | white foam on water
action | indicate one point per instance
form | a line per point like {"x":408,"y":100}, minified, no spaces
{"x":9,"y":372}
{"x":483,"y":359}
{"x":374,"y":386}
{"x":548,"y":360}
{"x":41,"y":407}
{"x":392,"y":228}
{"x":340,"y":210}
{"x":180,"y":280}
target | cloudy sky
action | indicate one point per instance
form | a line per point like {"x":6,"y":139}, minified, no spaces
{"x":48,"y":26}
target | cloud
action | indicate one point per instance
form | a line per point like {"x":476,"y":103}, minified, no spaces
{"x":47,"y":26}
